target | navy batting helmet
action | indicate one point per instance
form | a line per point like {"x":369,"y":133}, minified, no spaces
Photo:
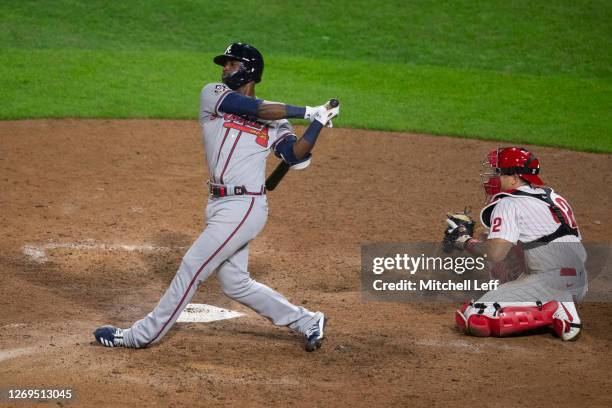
{"x":251,"y":64}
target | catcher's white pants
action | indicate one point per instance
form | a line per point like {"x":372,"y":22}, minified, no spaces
{"x":559,"y":284}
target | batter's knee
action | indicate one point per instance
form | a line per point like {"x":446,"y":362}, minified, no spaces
{"x":235,"y":286}
{"x":191,"y":261}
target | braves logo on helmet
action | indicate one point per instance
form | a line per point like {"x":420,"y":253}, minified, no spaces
{"x":508,"y":161}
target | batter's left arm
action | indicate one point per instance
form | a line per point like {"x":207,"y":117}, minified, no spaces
{"x":296,"y":153}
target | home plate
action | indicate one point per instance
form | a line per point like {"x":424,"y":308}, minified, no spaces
{"x":201,"y":313}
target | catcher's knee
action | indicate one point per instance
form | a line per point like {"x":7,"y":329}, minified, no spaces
{"x":505,"y":319}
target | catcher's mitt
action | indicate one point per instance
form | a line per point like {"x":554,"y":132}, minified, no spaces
{"x":460,"y":228}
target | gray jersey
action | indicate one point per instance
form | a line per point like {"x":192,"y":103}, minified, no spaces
{"x":236,"y":148}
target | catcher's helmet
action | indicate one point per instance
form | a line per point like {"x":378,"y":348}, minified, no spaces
{"x":251,"y":64}
{"x":508,"y":161}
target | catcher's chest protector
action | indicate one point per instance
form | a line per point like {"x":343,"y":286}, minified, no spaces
{"x":564,"y":227}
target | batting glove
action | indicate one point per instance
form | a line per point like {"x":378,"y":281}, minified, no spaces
{"x":310,"y":112}
{"x":323,"y":114}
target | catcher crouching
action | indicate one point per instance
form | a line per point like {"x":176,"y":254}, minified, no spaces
{"x":525,"y":218}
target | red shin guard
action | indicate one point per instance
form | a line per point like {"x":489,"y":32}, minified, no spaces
{"x":507,"y":321}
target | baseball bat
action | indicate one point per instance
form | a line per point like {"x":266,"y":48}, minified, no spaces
{"x":277,"y":175}
{"x":283,"y":167}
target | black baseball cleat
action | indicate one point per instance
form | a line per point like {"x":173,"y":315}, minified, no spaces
{"x":109,"y":336}
{"x":315,"y":335}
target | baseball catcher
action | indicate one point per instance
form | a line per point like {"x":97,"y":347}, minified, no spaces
{"x":522,"y":213}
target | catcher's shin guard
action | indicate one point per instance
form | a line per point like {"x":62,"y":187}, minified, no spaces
{"x":499,"y":320}
{"x":460,"y":318}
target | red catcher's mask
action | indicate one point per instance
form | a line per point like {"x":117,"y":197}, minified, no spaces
{"x":508,"y":161}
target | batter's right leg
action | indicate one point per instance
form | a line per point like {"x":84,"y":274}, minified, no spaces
{"x":237,"y":283}
{"x":236,"y":224}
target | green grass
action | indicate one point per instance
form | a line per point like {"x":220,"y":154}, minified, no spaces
{"x":520,"y":71}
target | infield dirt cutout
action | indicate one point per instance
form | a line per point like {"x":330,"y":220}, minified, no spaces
{"x":66,"y":184}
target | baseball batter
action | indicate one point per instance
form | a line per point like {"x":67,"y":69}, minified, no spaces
{"x":523,"y":212}
{"x":238,"y":132}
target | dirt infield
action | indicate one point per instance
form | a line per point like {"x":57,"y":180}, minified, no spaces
{"x":95,"y":216}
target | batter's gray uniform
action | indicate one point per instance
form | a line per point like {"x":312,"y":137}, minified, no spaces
{"x":236,"y":152}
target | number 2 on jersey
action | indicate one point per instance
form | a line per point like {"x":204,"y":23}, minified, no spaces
{"x":496,"y":225}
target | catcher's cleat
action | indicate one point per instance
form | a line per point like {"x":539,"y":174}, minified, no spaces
{"x":109,"y":336}
{"x":566,"y":322}
{"x":315,"y":335}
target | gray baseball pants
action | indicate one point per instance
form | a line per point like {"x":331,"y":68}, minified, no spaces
{"x":232,"y":222}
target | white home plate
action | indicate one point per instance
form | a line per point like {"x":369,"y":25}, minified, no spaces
{"x":200,"y":313}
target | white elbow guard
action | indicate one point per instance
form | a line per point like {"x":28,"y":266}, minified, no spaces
{"x":302,"y":164}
